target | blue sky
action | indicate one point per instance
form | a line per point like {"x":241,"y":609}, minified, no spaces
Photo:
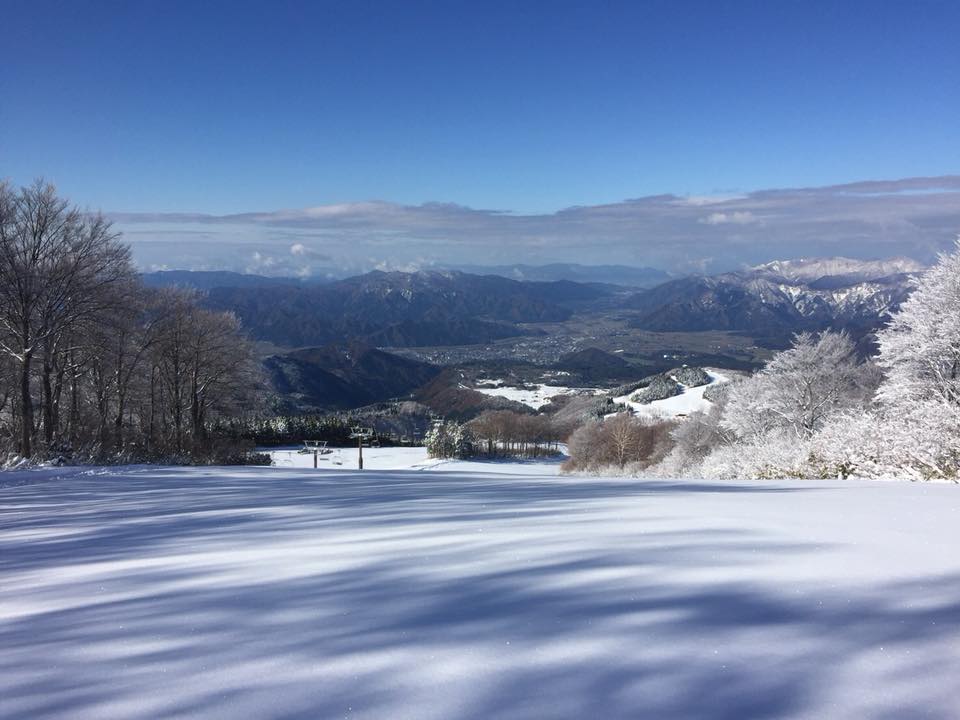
{"x":233,"y":107}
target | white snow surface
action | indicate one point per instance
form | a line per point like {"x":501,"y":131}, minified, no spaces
{"x":535,"y":395}
{"x":394,"y":458}
{"x":473,"y":590}
{"x":690,"y":400}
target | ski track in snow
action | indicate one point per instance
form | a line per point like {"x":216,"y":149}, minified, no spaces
{"x":473,"y":590}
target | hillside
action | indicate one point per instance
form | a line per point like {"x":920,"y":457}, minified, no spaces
{"x":592,"y":365}
{"x":340,"y":377}
{"x":400,"y":309}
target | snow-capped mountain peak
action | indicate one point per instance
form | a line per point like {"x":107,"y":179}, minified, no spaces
{"x":809,"y":269}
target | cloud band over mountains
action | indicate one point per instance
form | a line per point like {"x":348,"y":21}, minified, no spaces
{"x":916,"y":217}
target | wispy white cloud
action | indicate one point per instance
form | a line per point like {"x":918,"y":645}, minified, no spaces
{"x":917,"y":217}
{"x":738,"y":217}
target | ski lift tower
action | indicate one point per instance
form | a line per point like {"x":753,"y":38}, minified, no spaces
{"x":361,"y":435}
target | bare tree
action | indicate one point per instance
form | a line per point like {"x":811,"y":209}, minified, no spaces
{"x":128,"y":338}
{"x":621,"y":437}
{"x":222,"y":367}
{"x":57,"y":267}
{"x":619,"y":441}
{"x":202,"y":363}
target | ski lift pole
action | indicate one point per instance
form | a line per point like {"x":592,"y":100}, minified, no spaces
{"x":361,"y":434}
{"x":315,"y":458}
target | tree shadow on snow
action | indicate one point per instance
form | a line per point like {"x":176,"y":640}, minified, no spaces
{"x":275,"y":596}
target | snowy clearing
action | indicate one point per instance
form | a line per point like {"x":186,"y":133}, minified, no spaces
{"x":394,"y":458}
{"x":468,"y":591}
{"x":691,"y":400}
{"x":407,"y":458}
{"x":535,"y":396}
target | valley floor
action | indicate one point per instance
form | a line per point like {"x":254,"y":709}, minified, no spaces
{"x":472,"y":591}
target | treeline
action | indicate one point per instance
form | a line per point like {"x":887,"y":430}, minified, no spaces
{"x":94,"y":365}
{"x":335,"y":429}
{"x":498,"y":433}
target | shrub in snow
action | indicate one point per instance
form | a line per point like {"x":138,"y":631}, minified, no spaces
{"x":778,"y":454}
{"x":617,"y":442}
{"x":693,"y":440}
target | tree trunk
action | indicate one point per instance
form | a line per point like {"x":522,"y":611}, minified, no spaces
{"x":47,"y":401}
{"x":118,"y":422}
{"x":195,"y":416}
{"x":26,"y":407}
{"x":57,"y":397}
{"x":75,"y":427}
{"x":151,"y":424}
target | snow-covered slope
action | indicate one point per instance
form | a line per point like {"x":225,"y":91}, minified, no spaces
{"x":691,"y":400}
{"x":408,"y":458}
{"x":277,"y":593}
{"x":534,"y":395}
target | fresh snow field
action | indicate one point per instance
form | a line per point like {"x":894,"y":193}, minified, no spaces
{"x":473,"y":590}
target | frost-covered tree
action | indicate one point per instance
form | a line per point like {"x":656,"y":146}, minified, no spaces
{"x":447,"y":439}
{"x":798,"y":389}
{"x":919,"y":441}
{"x":915,"y":430}
{"x":694,"y":439}
{"x":776,"y":455}
{"x":920,"y":348}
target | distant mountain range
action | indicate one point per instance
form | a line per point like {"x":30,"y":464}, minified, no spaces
{"x":778,"y":299}
{"x":639,"y":277}
{"x":339,"y":325}
{"x":635,"y":277}
{"x":455,"y":308}
{"x":401,"y":309}
{"x":441,"y":308}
